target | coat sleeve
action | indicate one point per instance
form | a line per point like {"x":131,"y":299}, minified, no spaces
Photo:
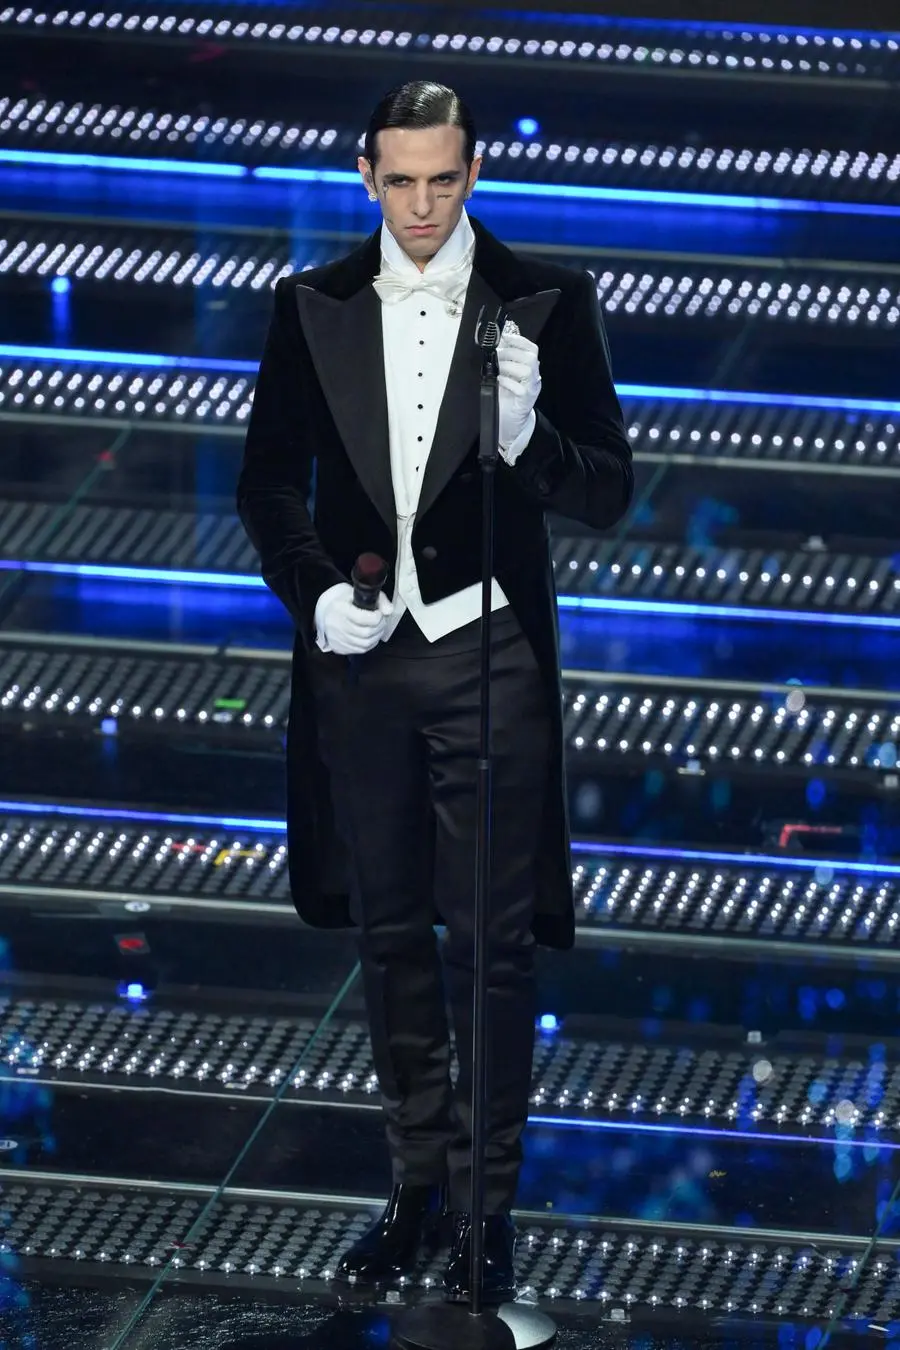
{"x":578,"y":461}
{"x":276,"y":479}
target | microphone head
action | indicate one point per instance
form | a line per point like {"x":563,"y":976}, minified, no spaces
{"x":370,"y":570}
{"x":489,"y":328}
{"x":490,"y":338}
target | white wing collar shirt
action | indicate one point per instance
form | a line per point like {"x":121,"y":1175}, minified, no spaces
{"x":420,"y":318}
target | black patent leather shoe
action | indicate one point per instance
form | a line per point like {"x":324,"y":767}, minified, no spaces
{"x":411,"y":1223}
{"x":499,"y":1260}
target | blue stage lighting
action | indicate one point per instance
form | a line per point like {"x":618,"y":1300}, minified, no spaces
{"x":579,"y":846}
{"x":548,"y":1022}
{"x":28,"y":352}
{"x":126,"y":163}
{"x":583,"y":603}
{"x":527,"y":126}
{"x":135,"y":993}
{"x":60,"y":285}
{"x":348,"y":177}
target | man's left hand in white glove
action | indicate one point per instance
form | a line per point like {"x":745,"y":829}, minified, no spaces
{"x":519,"y":382}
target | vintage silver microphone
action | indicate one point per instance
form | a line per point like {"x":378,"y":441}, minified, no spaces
{"x":488,"y":331}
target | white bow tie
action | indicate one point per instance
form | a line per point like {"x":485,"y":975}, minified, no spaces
{"x":449,"y":285}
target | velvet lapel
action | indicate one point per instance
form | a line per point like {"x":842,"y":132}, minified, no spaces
{"x":344,"y":339}
{"x":458,"y":419}
{"x":457,"y":423}
{"x":341,"y":321}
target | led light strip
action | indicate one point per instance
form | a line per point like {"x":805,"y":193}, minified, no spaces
{"x":638,"y":288}
{"x":159,"y":387}
{"x":736,"y":49}
{"x":598,"y":1076}
{"x":172,"y":392}
{"x":135,"y":690}
{"x":720,"y":729}
{"x":587,"y":604}
{"x":251,"y":1234}
{"x":672,"y":576}
{"x":491,"y":187}
{"x":807,"y":903}
{"x":591,"y":847}
{"x":33,"y":123}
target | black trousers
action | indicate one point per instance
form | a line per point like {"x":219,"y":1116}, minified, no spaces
{"x":399,"y":733}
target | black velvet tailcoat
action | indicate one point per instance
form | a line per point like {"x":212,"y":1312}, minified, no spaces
{"x":315,"y":491}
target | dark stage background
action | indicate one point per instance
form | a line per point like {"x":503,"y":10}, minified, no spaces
{"x":187,"y":1110}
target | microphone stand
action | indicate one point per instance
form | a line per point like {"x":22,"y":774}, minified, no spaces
{"x":460,"y":1326}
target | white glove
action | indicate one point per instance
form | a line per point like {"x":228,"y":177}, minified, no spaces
{"x":520,"y":383}
{"x":344,"y":628}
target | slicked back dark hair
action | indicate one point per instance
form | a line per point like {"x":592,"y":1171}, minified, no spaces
{"x":419,"y":104}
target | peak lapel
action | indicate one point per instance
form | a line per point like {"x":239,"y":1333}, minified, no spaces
{"x":458,"y":420}
{"x":345,"y":342}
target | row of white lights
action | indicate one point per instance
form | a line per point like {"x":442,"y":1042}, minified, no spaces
{"x":872,"y":739}
{"x":835,"y":164}
{"x":769,"y":1094}
{"x":113,"y":846}
{"x":872,"y":744}
{"x":769,"y":578}
{"x":592,"y":878}
{"x":156,"y":1053}
{"x":866,"y":444}
{"x":815,"y":54}
{"x":814,"y":907}
{"x":102,"y":262}
{"x":182,"y":398}
{"x":53,"y":698}
{"x":228,"y":399}
{"x":706,"y":728}
{"x":611,"y":1285}
{"x":631,"y":292}
{"x":733,"y":297}
{"x":40,"y":117}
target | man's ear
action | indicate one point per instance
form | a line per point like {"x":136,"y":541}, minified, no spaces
{"x":368,"y":177}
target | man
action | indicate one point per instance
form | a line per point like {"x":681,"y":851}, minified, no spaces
{"x":367,"y":400}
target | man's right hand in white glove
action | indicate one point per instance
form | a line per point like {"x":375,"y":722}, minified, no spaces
{"x":344,"y":628}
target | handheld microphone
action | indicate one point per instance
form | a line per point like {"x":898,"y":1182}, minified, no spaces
{"x":489,"y":327}
{"x":368,"y":577}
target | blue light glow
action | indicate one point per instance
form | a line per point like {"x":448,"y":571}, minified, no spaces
{"x":135,"y":992}
{"x":155,"y":817}
{"x":90,"y":356}
{"x":50,"y":159}
{"x":60,"y":285}
{"x":680,"y":393}
{"x":248,"y":581}
{"x":596,"y":848}
{"x":651,"y":851}
{"x":673,"y":607}
{"x":866,"y":36}
{"x":709,"y":1132}
{"x":759,"y":398}
{"x":586,"y":192}
{"x":548,"y":1022}
{"x":154,"y":574}
{"x":527,"y":126}
{"x":501,"y":187}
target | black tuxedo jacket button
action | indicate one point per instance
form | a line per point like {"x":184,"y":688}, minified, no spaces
{"x":429,"y":553}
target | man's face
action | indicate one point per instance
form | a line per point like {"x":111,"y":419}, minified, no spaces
{"x":421,"y":180}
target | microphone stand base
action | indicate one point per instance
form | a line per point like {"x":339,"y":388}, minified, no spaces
{"x":452,"y":1326}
